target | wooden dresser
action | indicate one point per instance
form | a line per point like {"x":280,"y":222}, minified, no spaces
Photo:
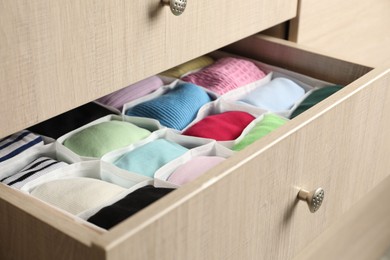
{"x":57,"y":55}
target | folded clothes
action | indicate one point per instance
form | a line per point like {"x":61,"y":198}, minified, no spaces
{"x":195,"y":64}
{"x":279,"y":94}
{"x":32,"y":171}
{"x":17,"y":143}
{"x":111,"y":215}
{"x":176,"y":108}
{"x":269,"y":123}
{"x":193,"y":169}
{"x":226,"y":74}
{"x":59,"y":125}
{"x":118,"y":98}
{"x":221,"y":127}
{"x":148,"y":158}
{"x":104,"y":137}
{"x":315,"y":97}
{"x":76,"y":194}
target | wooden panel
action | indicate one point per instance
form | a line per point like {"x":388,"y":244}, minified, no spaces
{"x":354,"y":30}
{"x":361,"y":233}
{"x":246,"y":208}
{"x":56,"y":55}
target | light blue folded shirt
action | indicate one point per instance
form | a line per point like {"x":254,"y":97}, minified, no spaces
{"x":279,"y":94}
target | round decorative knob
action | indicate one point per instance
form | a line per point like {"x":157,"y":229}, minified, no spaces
{"x":177,"y":6}
{"x":313,"y":198}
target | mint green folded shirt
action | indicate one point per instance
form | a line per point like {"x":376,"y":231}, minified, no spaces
{"x":99,"y":139}
{"x":269,"y":123}
{"x":148,"y":158}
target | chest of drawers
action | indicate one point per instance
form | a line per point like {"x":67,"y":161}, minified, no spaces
{"x":56,"y":56}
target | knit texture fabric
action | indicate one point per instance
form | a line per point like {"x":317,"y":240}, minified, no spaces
{"x":315,"y":97}
{"x":195,"y":64}
{"x":58,"y":126}
{"x":268,"y":124}
{"x":176,"y":108}
{"x":99,"y":139}
{"x":76,"y":194}
{"x":32,"y":171}
{"x":193,"y":169}
{"x":221,"y":127}
{"x":279,"y":94}
{"x":148,"y":158}
{"x":111,"y":215}
{"x":226,"y":74}
{"x":17,"y":143}
{"x":118,"y":98}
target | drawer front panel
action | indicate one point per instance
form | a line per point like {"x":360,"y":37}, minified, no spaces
{"x":58,"y":55}
{"x":247,"y":207}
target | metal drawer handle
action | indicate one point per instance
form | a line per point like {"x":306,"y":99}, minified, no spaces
{"x":313,"y":198}
{"x":177,"y":6}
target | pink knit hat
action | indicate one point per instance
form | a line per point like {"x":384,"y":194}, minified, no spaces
{"x":221,"y":127}
{"x":226,"y":74}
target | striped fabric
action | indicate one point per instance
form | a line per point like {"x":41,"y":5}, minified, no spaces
{"x":17,"y":143}
{"x":35,"y":169}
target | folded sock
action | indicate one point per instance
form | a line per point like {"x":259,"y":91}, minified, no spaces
{"x":148,"y":158}
{"x":32,"y":171}
{"x":17,"y":143}
{"x":279,"y":94}
{"x":315,"y":97}
{"x":76,"y":194}
{"x":58,"y":126}
{"x":118,"y":98}
{"x":268,"y":124}
{"x":226,"y":74}
{"x":111,"y":215}
{"x":195,"y":64}
{"x":101,"y":138}
{"x":193,"y":169}
{"x":221,"y":127}
{"x":176,"y":108}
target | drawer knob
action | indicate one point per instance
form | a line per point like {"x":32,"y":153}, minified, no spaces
{"x":177,"y":6}
{"x":313,"y":198}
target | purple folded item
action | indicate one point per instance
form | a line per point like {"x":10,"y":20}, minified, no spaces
{"x":120,"y":97}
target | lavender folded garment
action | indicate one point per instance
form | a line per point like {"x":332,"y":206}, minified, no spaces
{"x":278,"y":95}
{"x":118,"y":98}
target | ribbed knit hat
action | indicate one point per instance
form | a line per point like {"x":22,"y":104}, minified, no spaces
{"x":315,"y":97}
{"x":226,"y":74}
{"x":269,"y":123}
{"x":35,"y":169}
{"x":104,"y":137}
{"x":118,"y":98}
{"x":225,"y":126}
{"x":148,"y":158}
{"x":195,"y":64}
{"x":279,"y":94}
{"x":193,"y":169}
{"x":111,"y":215}
{"x":76,"y":194}
{"x":176,"y":108}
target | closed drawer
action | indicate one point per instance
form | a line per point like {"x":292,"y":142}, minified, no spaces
{"x":246,"y":207}
{"x":58,"y":55}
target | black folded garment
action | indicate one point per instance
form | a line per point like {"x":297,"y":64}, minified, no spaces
{"x":64,"y":123}
{"x":111,"y":215}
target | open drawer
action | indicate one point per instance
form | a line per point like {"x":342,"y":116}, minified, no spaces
{"x":246,"y":207}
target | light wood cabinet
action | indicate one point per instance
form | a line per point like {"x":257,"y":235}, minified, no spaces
{"x":246,"y":207}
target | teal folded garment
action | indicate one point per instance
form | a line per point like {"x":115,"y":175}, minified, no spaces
{"x":147,"y":159}
{"x":175,"y":109}
{"x":315,"y":97}
{"x":269,"y":123}
{"x":99,"y":139}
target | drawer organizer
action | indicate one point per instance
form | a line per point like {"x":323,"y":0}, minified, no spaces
{"x":246,"y":205}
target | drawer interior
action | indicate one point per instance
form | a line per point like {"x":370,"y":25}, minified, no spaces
{"x":178,"y":206}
